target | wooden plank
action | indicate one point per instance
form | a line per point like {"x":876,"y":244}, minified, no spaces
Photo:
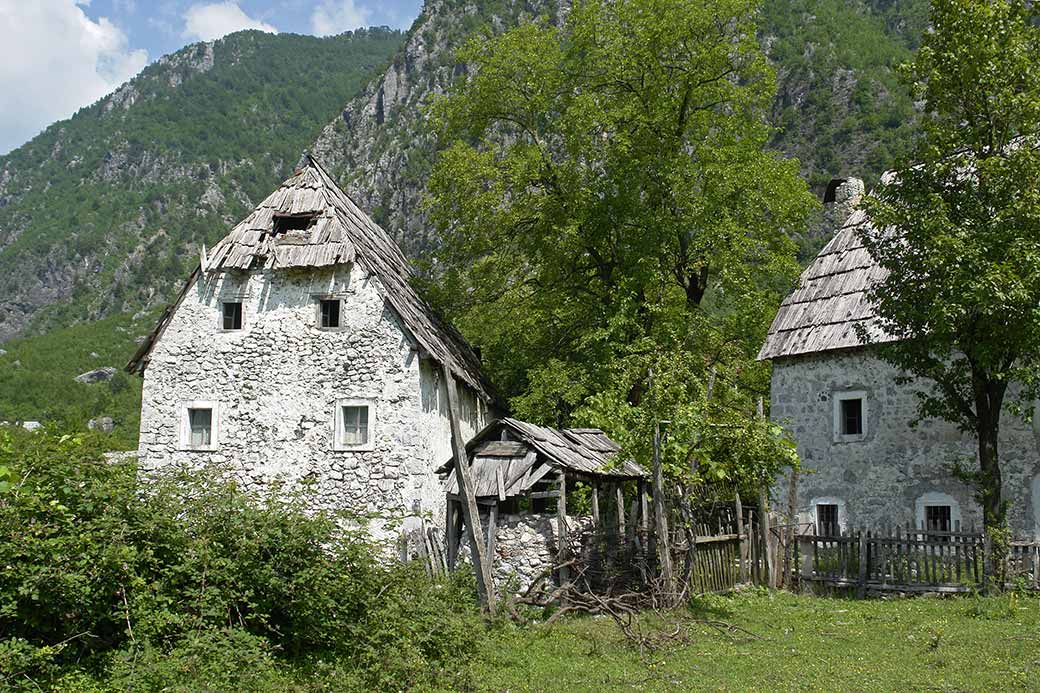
{"x":619,"y":503}
{"x":537,"y":495}
{"x":739,"y":509}
{"x":562,"y":530}
{"x":595,"y":505}
{"x":501,"y":482}
{"x":481,"y":567}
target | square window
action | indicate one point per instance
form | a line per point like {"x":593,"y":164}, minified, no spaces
{"x":330,"y":312}
{"x":937,"y":518}
{"x":232,"y":313}
{"x":827,"y":520}
{"x":200,"y":424}
{"x":852,"y":417}
{"x":354,"y":425}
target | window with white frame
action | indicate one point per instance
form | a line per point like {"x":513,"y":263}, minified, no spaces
{"x":355,"y":424}
{"x":199,"y":425}
{"x":937,"y":512}
{"x":850,"y":416}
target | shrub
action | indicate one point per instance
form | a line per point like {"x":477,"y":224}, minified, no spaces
{"x":143,"y":585}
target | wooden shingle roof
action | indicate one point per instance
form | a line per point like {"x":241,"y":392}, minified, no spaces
{"x":830,"y":301}
{"x":507,"y":468}
{"x":338,"y":232}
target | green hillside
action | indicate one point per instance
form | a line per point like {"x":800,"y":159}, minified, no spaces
{"x":102,"y":214}
{"x":103,"y":211}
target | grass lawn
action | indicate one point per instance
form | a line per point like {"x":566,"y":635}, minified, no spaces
{"x":801,"y":643}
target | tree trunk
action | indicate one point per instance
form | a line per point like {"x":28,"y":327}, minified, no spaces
{"x":989,"y":400}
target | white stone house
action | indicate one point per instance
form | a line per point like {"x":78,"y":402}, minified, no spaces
{"x":298,"y":350}
{"x":864,"y":465}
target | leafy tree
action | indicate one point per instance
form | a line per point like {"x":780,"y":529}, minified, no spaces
{"x":632,"y":223}
{"x":958,"y":232}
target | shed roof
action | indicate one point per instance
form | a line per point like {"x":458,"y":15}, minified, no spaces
{"x":338,"y":233}
{"x":830,"y":301}
{"x":507,"y":468}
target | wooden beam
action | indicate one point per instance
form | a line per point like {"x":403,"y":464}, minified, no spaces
{"x":492,"y":536}
{"x":561,"y":532}
{"x":481,"y":567}
{"x":664,"y":553}
{"x":595,"y":505}
{"x":619,"y":498}
{"x":742,"y":549}
{"x":451,"y":532}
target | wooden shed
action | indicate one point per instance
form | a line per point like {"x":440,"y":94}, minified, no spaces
{"x":512,"y":459}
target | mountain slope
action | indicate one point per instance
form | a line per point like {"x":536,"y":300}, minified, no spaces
{"x":103,"y":212}
{"x":839,"y":109}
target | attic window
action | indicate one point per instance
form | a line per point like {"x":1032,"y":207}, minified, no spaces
{"x":293,"y":222}
{"x":329,"y":312}
{"x":232,"y":315}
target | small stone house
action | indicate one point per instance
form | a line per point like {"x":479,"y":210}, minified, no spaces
{"x":299,"y":350}
{"x":864,"y":465}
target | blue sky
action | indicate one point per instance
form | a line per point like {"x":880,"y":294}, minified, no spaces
{"x":61,"y":55}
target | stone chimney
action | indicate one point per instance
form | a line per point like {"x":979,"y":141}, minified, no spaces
{"x":840,"y":200}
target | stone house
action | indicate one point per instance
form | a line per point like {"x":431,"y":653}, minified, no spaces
{"x":864,"y":465}
{"x":298,"y":350}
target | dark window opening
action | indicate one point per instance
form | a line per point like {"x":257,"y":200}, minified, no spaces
{"x":827,"y":520}
{"x":200,"y":421}
{"x":330,"y":312}
{"x":299,"y":222}
{"x":937,"y":518}
{"x":232,"y":315}
{"x":852,"y":417}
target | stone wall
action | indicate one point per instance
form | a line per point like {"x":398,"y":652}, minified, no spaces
{"x":894,"y":470}
{"x":525,"y":546}
{"x":276,"y":383}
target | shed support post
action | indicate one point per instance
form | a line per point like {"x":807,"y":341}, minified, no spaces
{"x":561,"y":532}
{"x":620,"y":502}
{"x":595,"y":505}
{"x":763,"y":526}
{"x":481,"y":567}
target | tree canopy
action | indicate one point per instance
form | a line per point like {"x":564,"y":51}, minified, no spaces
{"x":957,"y":229}
{"x":610,"y":210}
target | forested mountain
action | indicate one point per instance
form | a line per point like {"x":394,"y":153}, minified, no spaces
{"x":102,"y":214}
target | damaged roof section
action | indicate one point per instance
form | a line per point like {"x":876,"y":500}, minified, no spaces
{"x":309,"y":222}
{"x":511,"y":465}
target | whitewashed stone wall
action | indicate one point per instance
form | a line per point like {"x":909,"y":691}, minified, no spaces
{"x":895,"y":469}
{"x":277,"y":381}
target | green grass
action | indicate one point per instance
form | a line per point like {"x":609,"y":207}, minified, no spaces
{"x":803,"y":644}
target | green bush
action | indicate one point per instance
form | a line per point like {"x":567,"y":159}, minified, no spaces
{"x":170,"y":584}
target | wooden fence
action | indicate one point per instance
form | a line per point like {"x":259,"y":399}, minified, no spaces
{"x":906,"y":559}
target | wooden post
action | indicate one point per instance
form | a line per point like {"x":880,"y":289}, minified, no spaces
{"x":492,"y":534}
{"x":742,"y":538}
{"x":481,"y":567}
{"x":789,"y":535}
{"x":619,"y":497}
{"x":451,"y":532}
{"x":664,"y":554}
{"x":595,"y":506}
{"x":763,"y":527}
{"x":863,"y":563}
{"x":561,"y":531}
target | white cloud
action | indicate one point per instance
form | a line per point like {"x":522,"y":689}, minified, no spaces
{"x":336,"y":16}
{"x":213,"y":20}
{"x":56,"y":60}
